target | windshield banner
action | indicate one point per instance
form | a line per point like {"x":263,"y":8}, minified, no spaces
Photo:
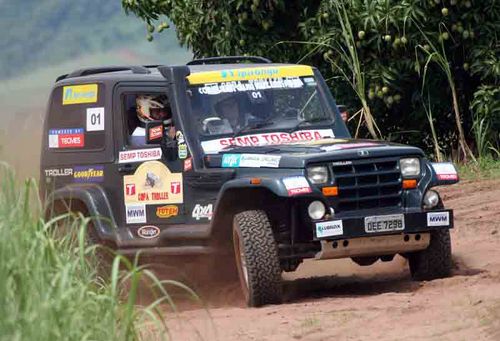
{"x":251,"y":85}
{"x":249,"y":73}
{"x":266,"y":139}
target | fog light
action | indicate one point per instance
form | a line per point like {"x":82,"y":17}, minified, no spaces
{"x":316,"y":210}
{"x":431,"y":199}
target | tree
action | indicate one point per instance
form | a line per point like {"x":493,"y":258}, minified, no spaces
{"x":386,"y":37}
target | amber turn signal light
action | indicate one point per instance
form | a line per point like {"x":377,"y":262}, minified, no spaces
{"x":255,"y":181}
{"x":330,"y":191}
{"x":409,"y":184}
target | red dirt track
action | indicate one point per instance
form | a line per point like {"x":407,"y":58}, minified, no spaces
{"x":337,"y":299}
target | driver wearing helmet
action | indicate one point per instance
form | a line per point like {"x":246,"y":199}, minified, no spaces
{"x":228,"y":108}
{"x":151,"y":108}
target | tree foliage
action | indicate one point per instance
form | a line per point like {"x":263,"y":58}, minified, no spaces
{"x":390,"y":38}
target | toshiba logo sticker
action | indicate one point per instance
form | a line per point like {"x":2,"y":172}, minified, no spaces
{"x":153,"y":183}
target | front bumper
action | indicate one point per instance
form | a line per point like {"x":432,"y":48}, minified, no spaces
{"x":337,"y":228}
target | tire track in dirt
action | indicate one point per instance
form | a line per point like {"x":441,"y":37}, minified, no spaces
{"x":338,"y":299}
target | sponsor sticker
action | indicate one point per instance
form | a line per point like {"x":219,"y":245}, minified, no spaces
{"x":188,"y":164}
{"x":445,"y":171}
{"x":148,"y":232}
{"x":182,"y":151}
{"x":341,"y":146}
{"x":66,"y":138}
{"x":438,"y":219}
{"x":76,"y":94}
{"x":95,"y":119}
{"x":249,"y":74}
{"x":153,"y":183}
{"x":203,"y":212}
{"x":57,"y":172}
{"x":179,"y":136}
{"x":167,"y":211}
{"x":140,"y":155}
{"x":329,"y":229}
{"x":155,"y":133}
{"x":265,"y":139}
{"x":250,"y":160}
{"x":135,"y":214}
{"x":129,"y":189}
{"x":251,"y":85}
{"x":88,"y":173}
{"x":296,"y":185}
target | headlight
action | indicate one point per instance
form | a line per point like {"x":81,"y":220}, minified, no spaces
{"x":431,"y":199}
{"x":317,"y":174}
{"x":316,"y":210}
{"x":410,"y":167}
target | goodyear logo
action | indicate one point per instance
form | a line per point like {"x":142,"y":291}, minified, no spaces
{"x":167,"y":211}
{"x":88,"y":174}
{"x":244,"y":74}
{"x":76,"y":94}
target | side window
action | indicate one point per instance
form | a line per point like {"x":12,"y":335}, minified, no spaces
{"x":141,"y":108}
{"x":76,"y":120}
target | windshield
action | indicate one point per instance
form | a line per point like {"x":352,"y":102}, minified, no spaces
{"x":260,"y":111}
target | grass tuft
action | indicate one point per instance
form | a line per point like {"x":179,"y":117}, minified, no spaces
{"x":51,"y":289}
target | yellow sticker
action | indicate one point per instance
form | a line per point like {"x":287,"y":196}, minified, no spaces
{"x":250,"y":73}
{"x":76,"y":94}
{"x":326,"y":141}
{"x":153,"y":183}
{"x":167,"y":211}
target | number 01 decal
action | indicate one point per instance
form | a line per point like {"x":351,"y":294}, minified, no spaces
{"x":95,"y":119}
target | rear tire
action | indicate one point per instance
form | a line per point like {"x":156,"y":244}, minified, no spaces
{"x":257,"y":258}
{"x":435,"y":261}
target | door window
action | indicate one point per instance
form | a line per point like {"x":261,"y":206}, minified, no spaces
{"x":141,"y":108}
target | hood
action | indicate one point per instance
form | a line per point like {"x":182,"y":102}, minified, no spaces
{"x":299,"y":155}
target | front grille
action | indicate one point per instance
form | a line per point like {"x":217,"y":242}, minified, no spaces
{"x":368,"y":184}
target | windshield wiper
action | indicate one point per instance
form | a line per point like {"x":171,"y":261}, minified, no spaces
{"x":267,"y":122}
{"x":313,"y":120}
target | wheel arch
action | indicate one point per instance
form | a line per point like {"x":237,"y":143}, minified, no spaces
{"x":90,"y":200}
{"x":238,"y":199}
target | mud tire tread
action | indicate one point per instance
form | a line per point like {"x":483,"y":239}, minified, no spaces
{"x":435,"y":261}
{"x":262,"y":260}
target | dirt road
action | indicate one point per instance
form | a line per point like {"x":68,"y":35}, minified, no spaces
{"x":348,"y":302}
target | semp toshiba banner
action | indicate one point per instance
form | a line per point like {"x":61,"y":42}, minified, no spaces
{"x":265,"y":139}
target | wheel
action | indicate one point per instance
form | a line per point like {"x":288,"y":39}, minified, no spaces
{"x":435,"y":261}
{"x":257,"y":258}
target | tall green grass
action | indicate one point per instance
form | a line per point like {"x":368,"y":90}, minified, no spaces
{"x":51,"y":289}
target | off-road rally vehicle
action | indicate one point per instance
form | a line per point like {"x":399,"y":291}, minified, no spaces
{"x":238,"y":154}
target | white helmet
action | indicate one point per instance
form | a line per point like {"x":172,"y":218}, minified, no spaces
{"x":148,"y":109}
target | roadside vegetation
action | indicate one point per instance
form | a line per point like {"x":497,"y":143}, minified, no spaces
{"x":52,"y":288}
{"x":425,"y":73}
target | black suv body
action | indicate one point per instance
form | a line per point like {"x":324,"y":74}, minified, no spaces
{"x":282,"y":182}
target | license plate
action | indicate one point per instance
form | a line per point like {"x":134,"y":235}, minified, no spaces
{"x":384,"y":223}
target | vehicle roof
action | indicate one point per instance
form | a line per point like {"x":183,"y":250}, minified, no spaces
{"x":154,"y":75}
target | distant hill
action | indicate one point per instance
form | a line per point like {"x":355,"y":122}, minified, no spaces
{"x":42,"y":39}
{"x":38,"y":33}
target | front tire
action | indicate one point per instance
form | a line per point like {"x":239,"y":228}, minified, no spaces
{"x":257,"y":258}
{"x":435,"y":261}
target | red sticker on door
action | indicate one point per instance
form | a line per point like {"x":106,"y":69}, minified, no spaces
{"x":66,"y":138}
